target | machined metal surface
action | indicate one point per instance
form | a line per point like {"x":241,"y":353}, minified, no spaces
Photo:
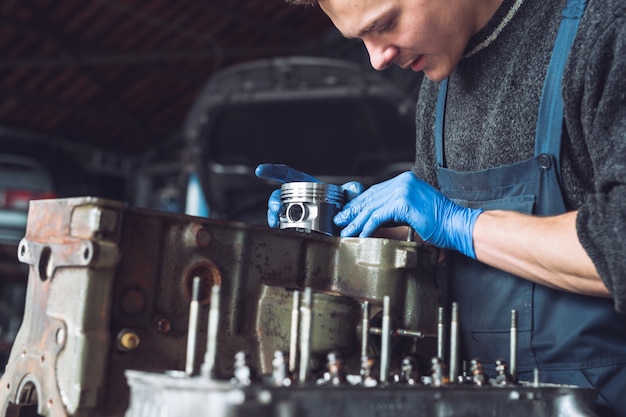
{"x":110,"y":288}
{"x":176,"y":396}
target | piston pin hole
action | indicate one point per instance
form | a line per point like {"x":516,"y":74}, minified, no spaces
{"x":297,"y":212}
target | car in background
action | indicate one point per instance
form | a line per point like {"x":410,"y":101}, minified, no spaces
{"x":337,"y":120}
{"x":22,"y":179}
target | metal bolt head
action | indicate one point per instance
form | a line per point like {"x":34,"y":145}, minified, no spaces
{"x":163,"y":325}
{"x":127,"y":340}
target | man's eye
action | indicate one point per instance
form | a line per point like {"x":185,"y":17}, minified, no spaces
{"x":385,"y":27}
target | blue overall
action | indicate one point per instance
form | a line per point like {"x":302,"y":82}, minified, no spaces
{"x":570,"y":338}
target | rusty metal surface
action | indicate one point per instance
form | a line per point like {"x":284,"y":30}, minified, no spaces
{"x":110,"y":285}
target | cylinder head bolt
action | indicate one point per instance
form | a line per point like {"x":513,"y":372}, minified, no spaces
{"x":310,"y":206}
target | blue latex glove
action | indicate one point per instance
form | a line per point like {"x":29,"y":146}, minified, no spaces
{"x":409,"y":200}
{"x":283,"y":173}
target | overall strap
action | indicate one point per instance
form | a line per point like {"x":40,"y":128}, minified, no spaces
{"x":439,"y":121}
{"x":550,"y":119}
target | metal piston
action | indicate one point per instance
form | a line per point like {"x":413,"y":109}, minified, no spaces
{"x":310,"y":206}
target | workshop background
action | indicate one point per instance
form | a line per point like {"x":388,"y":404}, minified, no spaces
{"x":129,"y":99}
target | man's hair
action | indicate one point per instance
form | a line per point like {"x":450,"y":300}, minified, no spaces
{"x":302,"y":2}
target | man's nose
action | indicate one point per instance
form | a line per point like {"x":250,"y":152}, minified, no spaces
{"x":381,"y":55}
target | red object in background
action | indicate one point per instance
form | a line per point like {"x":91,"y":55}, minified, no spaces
{"x":15,"y":199}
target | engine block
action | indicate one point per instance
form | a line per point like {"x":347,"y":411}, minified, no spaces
{"x":110,"y":286}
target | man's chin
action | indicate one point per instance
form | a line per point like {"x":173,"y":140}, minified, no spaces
{"x":435,"y":75}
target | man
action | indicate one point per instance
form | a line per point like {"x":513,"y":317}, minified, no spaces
{"x":530,"y":187}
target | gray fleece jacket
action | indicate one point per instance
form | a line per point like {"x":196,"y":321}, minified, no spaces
{"x":492,"y":107}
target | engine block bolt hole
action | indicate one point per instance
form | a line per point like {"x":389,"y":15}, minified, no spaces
{"x":45,"y":268}
{"x":209,"y":276}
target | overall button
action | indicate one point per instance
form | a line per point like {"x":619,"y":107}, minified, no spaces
{"x":544,"y":161}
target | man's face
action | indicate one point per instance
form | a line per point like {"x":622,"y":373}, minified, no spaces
{"x":423,"y":35}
